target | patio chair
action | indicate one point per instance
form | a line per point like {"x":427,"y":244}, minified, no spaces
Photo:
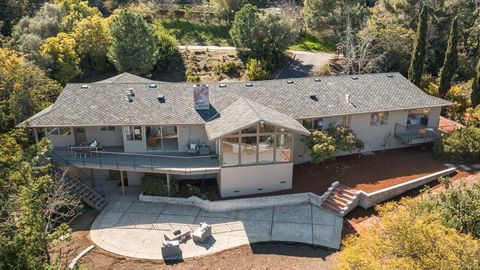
{"x":192,"y":148}
{"x":202,"y":233}
{"x":171,"y":249}
{"x":183,"y":237}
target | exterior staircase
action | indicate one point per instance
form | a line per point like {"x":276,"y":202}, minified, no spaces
{"x":342,"y":200}
{"x":74,"y":180}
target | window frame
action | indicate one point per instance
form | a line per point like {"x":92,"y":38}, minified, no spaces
{"x":381,"y":119}
{"x":162,"y":146}
{"x":134,"y":136}
{"x":314,"y":123}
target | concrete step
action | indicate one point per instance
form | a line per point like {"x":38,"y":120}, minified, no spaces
{"x":336,"y":202}
{"x":341,"y":196}
{"x":332,"y":208}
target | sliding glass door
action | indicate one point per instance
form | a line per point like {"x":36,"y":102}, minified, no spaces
{"x":162,"y":137}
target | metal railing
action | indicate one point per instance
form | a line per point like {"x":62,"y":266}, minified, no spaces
{"x":141,"y":162}
{"x":419,"y":133}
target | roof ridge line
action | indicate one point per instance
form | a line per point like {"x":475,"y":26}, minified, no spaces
{"x":252,"y":108}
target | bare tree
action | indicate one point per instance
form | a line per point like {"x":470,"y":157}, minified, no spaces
{"x":357,"y":53}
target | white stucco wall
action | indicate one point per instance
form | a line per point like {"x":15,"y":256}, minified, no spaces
{"x":373,"y":137}
{"x":245,"y":180}
{"x":134,"y":178}
{"x":106,"y":137}
{"x":61,"y":140}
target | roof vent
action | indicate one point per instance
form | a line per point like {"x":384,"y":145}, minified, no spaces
{"x":317,"y":80}
{"x":152,"y":85}
{"x":161,"y":98}
{"x":85,"y":86}
{"x":129,"y":98}
{"x":314,"y":97}
{"x":290,"y":81}
{"x":354,"y":78}
{"x":389,"y":75}
{"x":249,"y":84}
{"x":222,"y":85}
{"x":130,"y":92}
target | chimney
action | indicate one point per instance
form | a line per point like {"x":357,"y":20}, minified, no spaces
{"x":200,"y":97}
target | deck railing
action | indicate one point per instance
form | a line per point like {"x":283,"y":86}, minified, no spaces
{"x":420,"y":134}
{"x":141,"y":162}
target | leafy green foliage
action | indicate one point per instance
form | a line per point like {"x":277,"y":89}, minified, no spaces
{"x":225,"y":9}
{"x":324,"y":144}
{"x":458,"y":207}
{"x":405,"y":238}
{"x":24,"y":89}
{"x":195,"y":33}
{"x":310,"y":42}
{"x":243,"y":31}
{"x":195,"y":191}
{"x":475,"y":96}
{"x":62,"y":50}
{"x":77,"y":10}
{"x":450,"y":62}
{"x":134,"y":45}
{"x":257,"y":69}
{"x":153,"y":184}
{"x":415,"y":71}
{"x":462,"y":145}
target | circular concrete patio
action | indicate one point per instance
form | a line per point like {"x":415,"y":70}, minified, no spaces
{"x":132,"y":228}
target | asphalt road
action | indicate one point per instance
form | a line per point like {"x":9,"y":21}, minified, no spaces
{"x":304,"y":64}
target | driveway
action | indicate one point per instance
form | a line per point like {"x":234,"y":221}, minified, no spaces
{"x":135,"y":229}
{"x":304,"y":64}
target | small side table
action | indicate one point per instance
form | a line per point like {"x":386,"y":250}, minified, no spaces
{"x":204,"y":150}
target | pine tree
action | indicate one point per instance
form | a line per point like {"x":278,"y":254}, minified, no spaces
{"x":476,"y":87}
{"x":134,"y":43}
{"x":419,"y":50}
{"x":450,"y":61}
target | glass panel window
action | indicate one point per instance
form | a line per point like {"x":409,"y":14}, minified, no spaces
{"x":137,"y":132}
{"x":111,"y":128}
{"x":170,"y":137}
{"x":284,"y":148}
{"x":52,"y":131}
{"x":230,"y":151}
{"x":418,"y":117}
{"x":249,"y":150}
{"x":380,"y":118}
{"x":266,"y":145}
{"x":346,"y":120}
{"x":129,"y":133}
{"x":250,"y":130}
{"x":103,"y":128}
{"x":266,"y":129}
{"x":162,"y":138}
{"x":307,"y":123}
{"x":64,"y":131}
{"x":317,"y":124}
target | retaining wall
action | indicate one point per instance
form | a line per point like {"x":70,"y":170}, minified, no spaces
{"x":368,"y":200}
{"x":237,"y":204}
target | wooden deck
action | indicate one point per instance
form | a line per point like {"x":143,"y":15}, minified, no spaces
{"x":177,"y":163}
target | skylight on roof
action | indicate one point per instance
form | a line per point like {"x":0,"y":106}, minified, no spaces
{"x":354,"y":78}
{"x":84,"y":86}
{"x":290,"y":81}
{"x":222,"y":85}
{"x":161,"y":98}
{"x":317,"y":80}
{"x":152,"y":85}
{"x":249,"y":84}
{"x":314,"y":97}
{"x":389,"y":75}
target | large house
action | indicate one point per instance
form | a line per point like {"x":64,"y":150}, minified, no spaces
{"x":247,"y":135}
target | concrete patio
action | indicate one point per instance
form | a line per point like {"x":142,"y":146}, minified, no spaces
{"x":132,"y":228}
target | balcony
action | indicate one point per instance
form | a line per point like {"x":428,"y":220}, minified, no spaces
{"x":175,"y":163}
{"x":418,"y":134}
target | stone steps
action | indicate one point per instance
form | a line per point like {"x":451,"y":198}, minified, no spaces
{"x":340,"y":199}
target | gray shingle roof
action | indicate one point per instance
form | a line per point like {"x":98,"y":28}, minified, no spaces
{"x":126,"y":78}
{"x":244,"y":113}
{"x":106,"y":103}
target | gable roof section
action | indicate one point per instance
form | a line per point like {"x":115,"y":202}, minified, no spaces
{"x":244,"y":113}
{"x":105,"y":103}
{"x":126,"y":78}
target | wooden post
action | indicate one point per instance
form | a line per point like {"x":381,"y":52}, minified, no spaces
{"x":168,"y":184}
{"x":35,"y":134}
{"x":122,"y":182}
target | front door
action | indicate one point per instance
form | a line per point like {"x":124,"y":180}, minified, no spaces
{"x":80,"y":135}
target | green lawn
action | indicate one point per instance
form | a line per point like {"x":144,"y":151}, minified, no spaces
{"x":193,"y":33}
{"x":309,"y":42}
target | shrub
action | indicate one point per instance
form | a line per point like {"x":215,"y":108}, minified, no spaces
{"x":195,"y":191}
{"x":462,"y":145}
{"x":257,"y":70}
{"x":153,"y":184}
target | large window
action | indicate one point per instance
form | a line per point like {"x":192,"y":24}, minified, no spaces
{"x":313,"y":124}
{"x":133,"y":133}
{"x":379,"y":118}
{"x":162,"y":138}
{"x":264,"y":144}
{"x":418,"y":117}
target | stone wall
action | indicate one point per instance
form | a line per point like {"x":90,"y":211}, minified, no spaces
{"x":368,"y":200}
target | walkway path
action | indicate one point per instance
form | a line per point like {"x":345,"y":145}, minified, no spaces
{"x":135,"y":229}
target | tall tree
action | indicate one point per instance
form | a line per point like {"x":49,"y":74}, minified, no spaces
{"x":134,"y":45}
{"x":244,"y":25}
{"x":226,"y":9}
{"x":62,"y":50}
{"x":93,"y":39}
{"x":476,"y":87}
{"x":450,"y":61}
{"x":419,"y":49}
